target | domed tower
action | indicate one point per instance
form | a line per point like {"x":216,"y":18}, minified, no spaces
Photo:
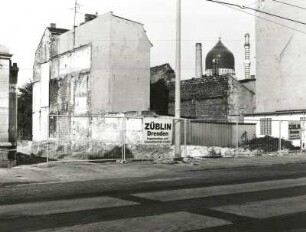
{"x":220,"y":60}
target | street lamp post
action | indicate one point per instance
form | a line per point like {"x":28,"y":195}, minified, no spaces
{"x":178,"y":83}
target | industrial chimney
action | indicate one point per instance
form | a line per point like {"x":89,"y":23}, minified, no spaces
{"x":247,"y":62}
{"x":199,"y":65}
{"x":52,"y":25}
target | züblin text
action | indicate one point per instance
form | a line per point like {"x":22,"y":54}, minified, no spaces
{"x":158,"y":126}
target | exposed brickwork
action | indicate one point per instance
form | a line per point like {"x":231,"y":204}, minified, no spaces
{"x":69,"y":96}
{"x":212,"y":108}
{"x":188,"y":108}
{"x":212,"y":98}
{"x":161,"y":72}
{"x":159,"y":93}
{"x":199,"y":89}
{"x":240,"y":99}
{"x":54,"y":89}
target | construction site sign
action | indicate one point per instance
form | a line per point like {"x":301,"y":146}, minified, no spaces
{"x":157,"y":131}
{"x":294,"y":131}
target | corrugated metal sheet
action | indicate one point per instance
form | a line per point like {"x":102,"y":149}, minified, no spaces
{"x":215,"y":134}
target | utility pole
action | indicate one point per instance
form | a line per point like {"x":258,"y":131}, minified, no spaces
{"x":178,"y":82}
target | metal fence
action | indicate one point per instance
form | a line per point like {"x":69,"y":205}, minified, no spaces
{"x":216,"y":133}
{"x":264,"y":134}
{"x":278,"y":132}
{"x":87,"y":137}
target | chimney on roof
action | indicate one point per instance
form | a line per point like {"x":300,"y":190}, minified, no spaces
{"x":89,"y":17}
{"x":52,"y":25}
{"x":199,"y":65}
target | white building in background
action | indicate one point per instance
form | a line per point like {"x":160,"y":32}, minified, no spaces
{"x":280,"y":73}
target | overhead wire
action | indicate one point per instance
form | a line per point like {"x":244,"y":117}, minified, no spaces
{"x":290,"y":4}
{"x":265,"y":19}
{"x":256,"y":10}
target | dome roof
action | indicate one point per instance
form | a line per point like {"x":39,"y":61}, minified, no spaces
{"x":220,"y":52}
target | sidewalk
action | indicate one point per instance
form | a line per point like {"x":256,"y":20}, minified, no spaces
{"x":82,"y":171}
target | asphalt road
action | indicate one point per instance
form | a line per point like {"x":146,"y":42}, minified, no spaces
{"x":242,"y":199}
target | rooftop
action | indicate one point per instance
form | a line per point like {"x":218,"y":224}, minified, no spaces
{"x":57,"y":31}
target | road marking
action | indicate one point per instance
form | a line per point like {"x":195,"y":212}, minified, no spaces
{"x":61,"y":206}
{"x":176,"y":222}
{"x":183,"y":194}
{"x":165,"y":179}
{"x":268,"y":208}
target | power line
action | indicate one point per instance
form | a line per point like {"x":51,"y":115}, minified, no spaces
{"x":256,"y":10}
{"x":289,"y":4}
{"x":268,"y":20}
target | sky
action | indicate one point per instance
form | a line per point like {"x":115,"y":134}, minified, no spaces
{"x":22,"y":24}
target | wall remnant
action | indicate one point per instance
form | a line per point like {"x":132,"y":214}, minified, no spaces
{"x":213,"y":98}
{"x":81,"y":79}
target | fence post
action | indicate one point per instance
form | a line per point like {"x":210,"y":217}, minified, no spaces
{"x":280,"y":136}
{"x":57,"y":129}
{"x":185,"y":137}
{"x":48,"y":151}
{"x":124,"y":139}
{"x":237,"y":131}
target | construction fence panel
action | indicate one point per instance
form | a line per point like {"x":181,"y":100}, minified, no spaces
{"x":87,"y":137}
{"x":277,"y":133}
{"x":215,"y":133}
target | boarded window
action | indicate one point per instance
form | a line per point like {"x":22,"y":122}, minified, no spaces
{"x":265,"y":126}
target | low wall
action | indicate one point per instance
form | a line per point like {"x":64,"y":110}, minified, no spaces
{"x":7,"y":155}
{"x":98,"y":137}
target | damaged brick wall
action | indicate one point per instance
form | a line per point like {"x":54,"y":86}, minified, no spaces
{"x":188,"y":108}
{"x":69,"y":97}
{"x":212,"y":98}
{"x":241,"y":100}
{"x":202,"y":98}
{"x":212,"y":109}
{"x":161,"y":72}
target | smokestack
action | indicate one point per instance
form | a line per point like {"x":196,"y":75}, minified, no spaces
{"x":199,"y":65}
{"x":247,"y":62}
{"x":52,"y":25}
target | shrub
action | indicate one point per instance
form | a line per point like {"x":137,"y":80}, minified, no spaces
{"x":269,"y":144}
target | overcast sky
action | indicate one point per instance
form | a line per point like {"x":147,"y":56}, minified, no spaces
{"x":23,"y":22}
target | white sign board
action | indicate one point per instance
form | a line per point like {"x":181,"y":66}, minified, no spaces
{"x":294,"y":130}
{"x":157,"y":131}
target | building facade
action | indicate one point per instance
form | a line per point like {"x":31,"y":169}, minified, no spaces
{"x":102,"y":66}
{"x":8,"y":106}
{"x":280,"y":59}
{"x":280,"y":73}
{"x":8,"y":99}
